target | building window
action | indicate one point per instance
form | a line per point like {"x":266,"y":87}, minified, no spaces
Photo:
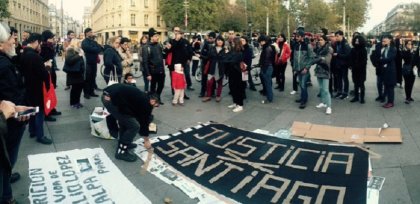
{"x":158,"y":21}
{"x":146,"y":20}
{"x":146,"y":4}
{"x":133,"y":19}
{"x":133,"y":3}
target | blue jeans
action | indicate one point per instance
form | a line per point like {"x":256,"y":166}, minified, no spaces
{"x":36,"y":125}
{"x":303,"y":79}
{"x":323,"y":89}
{"x":266,"y":76}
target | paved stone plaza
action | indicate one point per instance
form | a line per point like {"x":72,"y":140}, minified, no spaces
{"x":400,"y":163}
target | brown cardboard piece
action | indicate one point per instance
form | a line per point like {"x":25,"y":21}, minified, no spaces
{"x":346,"y":134}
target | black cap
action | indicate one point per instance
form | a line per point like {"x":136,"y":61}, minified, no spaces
{"x":152,"y":32}
{"x":339,"y":32}
{"x":125,"y":40}
{"x":300,"y":33}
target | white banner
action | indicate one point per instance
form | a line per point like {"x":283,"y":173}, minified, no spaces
{"x":79,"y":176}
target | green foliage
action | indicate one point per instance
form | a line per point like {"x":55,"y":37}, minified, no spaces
{"x":4,"y":12}
{"x":219,"y":15}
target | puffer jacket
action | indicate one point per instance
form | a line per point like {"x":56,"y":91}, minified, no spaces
{"x":112,"y":60}
{"x":323,"y":61}
{"x":302,"y":56}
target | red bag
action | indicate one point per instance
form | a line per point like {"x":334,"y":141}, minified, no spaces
{"x":243,"y":66}
{"x":169,"y":59}
{"x":207,"y":67}
{"x":50,"y":99}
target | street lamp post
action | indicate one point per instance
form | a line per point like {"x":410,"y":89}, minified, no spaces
{"x":186,"y":6}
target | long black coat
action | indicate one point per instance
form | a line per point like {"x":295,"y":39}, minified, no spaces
{"x":358,"y":61}
{"x":35,"y":74}
{"x":74,"y":59}
{"x":4,"y":156}
{"x":388,"y":67}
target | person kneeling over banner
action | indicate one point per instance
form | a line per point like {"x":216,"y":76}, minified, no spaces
{"x":132,"y":108}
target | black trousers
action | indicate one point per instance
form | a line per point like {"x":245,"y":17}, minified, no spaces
{"x":194,"y":67}
{"x":389,"y":92}
{"x":91,"y":70}
{"x":343,"y":81}
{"x":236,"y":87}
{"x":75,"y":93}
{"x":280,"y":77}
{"x":359,"y":90}
{"x":408,"y":85}
{"x":157,"y":83}
{"x":128,"y":125}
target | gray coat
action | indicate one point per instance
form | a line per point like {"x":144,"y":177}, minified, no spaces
{"x":323,"y":61}
{"x":302,"y":56}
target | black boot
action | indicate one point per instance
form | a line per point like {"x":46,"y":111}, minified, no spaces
{"x":123,"y":153}
{"x":356,"y":95}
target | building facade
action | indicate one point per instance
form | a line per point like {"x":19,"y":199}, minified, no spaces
{"x":29,"y":15}
{"x":60,"y":24}
{"x":128,"y":18}
{"x":399,"y":21}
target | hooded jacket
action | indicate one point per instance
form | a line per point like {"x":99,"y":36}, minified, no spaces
{"x":302,"y":56}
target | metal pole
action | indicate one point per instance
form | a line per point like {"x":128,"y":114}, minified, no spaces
{"x":344,"y":17}
{"x":288,"y":22}
{"x":267,"y":24}
{"x":62,"y":19}
{"x":186,"y":14}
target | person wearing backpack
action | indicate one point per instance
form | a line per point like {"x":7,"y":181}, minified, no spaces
{"x":281,"y":61}
{"x":266,"y":63}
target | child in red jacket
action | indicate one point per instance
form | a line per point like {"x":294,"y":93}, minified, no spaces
{"x":178,"y":84}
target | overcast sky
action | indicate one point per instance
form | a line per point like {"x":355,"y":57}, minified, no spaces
{"x":377,"y":13}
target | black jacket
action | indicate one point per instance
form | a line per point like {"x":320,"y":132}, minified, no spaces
{"x":181,"y":52}
{"x":133,"y":102}
{"x":217,"y":58}
{"x":35,"y":74}
{"x":11,"y":83}
{"x":112,"y":59}
{"x":77,"y":63}
{"x":248,"y":54}
{"x":4,"y":156}
{"x":92,"y":49}
{"x":343,"y":54}
{"x":375,"y":57}
{"x":388,"y":67}
{"x":267,"y":56}
{"x":153,"y":59}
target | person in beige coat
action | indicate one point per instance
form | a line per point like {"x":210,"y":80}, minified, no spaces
{"x":126,"y":55}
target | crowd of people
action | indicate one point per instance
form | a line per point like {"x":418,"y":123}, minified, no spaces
{"x":28,"y":69}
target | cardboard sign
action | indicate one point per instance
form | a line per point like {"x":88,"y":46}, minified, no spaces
{"x":345,"y":134}
{"x":252,"y":168}
{"x":79,"y":176}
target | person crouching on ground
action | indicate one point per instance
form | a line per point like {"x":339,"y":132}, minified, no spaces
{"x":178,"y":84}
{"x":132,"y":108}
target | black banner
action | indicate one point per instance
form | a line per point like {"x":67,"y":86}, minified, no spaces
{"x":254,"y":168}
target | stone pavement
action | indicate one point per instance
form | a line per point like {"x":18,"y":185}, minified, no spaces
{"x":400,"y":163}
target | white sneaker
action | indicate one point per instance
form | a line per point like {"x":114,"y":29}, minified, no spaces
{"x":238,"y":109}
{"x":293,"y":93}
{"x":321,"y":105}
{"x":328,"y":111}
{"x":232,"y":106}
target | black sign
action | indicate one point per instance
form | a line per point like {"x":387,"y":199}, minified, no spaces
{"x":254,"y":168}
